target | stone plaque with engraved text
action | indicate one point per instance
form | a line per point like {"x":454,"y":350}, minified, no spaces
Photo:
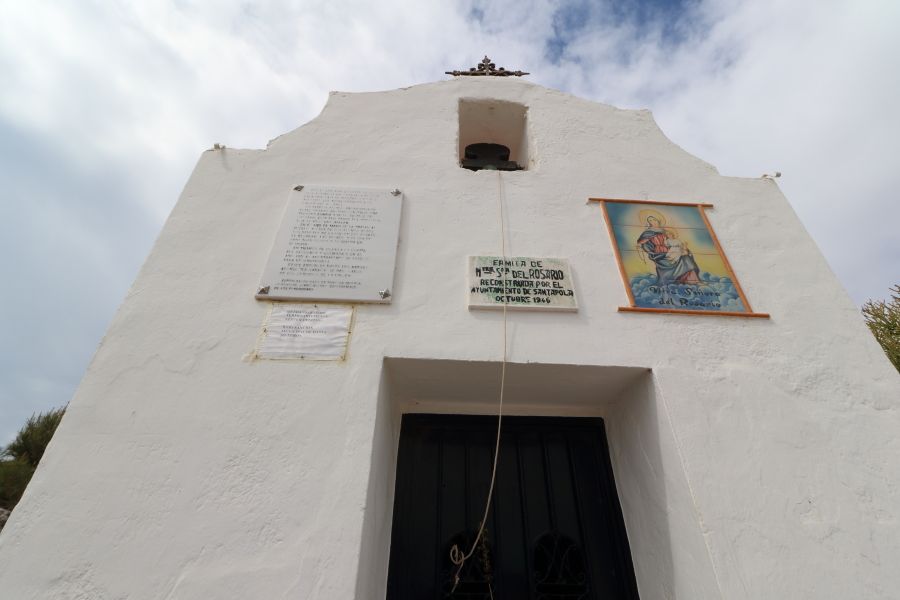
{"x":335,"y":244}
{"x":521,"y":282}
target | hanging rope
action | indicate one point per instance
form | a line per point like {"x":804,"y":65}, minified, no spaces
{"x":456,"y":556}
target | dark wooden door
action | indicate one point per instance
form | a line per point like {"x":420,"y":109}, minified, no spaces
{"x":555,"y":530}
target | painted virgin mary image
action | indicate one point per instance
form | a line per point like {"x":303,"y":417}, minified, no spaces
{"x":673,"y":259}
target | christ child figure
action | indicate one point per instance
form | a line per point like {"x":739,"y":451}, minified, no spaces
{"x":675,"y":248}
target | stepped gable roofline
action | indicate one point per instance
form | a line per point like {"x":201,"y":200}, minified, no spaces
{"x":503,"y":89}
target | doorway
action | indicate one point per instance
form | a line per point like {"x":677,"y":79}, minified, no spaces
{"x":555,"y":530}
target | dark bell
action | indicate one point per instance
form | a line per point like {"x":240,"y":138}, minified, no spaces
{"x":488,"y":156}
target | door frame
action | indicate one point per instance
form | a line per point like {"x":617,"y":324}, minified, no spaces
{"x":669,"y":550}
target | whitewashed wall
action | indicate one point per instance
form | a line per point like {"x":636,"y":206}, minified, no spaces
{"x":182,"y":472}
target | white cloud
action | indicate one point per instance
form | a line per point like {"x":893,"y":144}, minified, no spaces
{"x":106,"y":106}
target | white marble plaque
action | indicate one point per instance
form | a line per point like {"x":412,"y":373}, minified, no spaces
{"x":334,"y":244}
{"x":521,"y":282}
{"x":306,"y":331}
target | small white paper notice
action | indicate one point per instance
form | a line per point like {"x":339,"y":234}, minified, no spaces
{"x":306,"y":331}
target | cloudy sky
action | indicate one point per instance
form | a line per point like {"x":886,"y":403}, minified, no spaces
{"x":106,"y":106}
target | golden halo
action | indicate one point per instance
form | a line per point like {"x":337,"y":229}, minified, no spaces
{"x":672,"y":233}
{"x":649,"y":212}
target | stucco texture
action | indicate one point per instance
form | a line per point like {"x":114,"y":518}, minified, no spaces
{"x":182,"y":471}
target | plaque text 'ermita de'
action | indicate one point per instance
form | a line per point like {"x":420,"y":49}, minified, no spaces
{"x":334,"y":244}
{"x":521,"y":282}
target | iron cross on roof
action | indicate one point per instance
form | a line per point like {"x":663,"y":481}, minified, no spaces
{"x":486,"y":69}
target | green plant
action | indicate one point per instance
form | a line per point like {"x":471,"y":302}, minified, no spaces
{"x":32,"y":439}
{"x":14,"y":477}
{"x":883,"y":319}
{"x":21,"y":457}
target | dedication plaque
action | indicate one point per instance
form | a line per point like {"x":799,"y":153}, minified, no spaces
{"x":335,"y":244}
{"x":521,"y":282}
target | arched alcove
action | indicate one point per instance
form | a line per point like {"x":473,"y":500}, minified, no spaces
{"x":488,"y":121}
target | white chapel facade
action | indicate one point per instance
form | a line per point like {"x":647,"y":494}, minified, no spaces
{"x":693,"y":407}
